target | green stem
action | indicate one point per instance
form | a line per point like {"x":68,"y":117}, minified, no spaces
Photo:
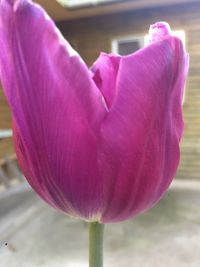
{"x":96,"y":244}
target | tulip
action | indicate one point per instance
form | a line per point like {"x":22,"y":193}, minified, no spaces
{"x":101,"y":144}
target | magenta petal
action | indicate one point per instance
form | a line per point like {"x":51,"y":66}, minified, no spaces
{"x":159,"y":31}
{"x":141,"y":134}
{"x":105,"y":71}
{"x":56,"y":106}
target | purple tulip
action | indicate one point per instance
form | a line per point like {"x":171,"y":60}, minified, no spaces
{"x":101,"y":144}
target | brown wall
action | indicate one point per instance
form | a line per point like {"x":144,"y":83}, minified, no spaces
{"x":6,"y":147}
{"x":90,"y":36}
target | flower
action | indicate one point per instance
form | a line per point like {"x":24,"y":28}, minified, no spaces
{"x":101,"y":144}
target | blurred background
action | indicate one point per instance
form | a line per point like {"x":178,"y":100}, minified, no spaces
{"x":32,"y":234}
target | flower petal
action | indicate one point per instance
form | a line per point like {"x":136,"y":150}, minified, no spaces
{"x":56,"y":106}
{"x":105,"y":71}
{"x":141,"y":134}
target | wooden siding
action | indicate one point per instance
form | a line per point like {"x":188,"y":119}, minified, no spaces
{"x":58,"y":13}
{"x":6,"y":146}
{"x":92,"y":35}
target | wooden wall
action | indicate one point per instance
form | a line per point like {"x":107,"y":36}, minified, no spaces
{"x":90,"y":36}
{"x":6,"y":146}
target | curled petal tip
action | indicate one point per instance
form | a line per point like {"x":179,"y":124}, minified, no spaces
{"x":158,"y":31}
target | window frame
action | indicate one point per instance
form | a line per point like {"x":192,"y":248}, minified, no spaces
{"x":5,"y":133}
{"x":128,"y":38}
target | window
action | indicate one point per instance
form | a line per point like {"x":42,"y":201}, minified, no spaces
{"x":129,"y":44}
{"x":81,"y":3}
{"x":5,"y":133}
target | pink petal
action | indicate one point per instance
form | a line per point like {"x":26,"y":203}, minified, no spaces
{"x":141,"y":133}
{"x":56,"y":106}
{"x":105,"y":71}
